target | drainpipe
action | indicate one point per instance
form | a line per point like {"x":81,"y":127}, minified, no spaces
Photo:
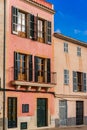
{"x":4,"y":41}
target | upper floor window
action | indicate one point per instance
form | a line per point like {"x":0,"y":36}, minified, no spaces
{"x":42,"y":70}
{"x":22,"y":67}
{"x":66,"y":77}
{"x":79,"y":81}
{"x":66,"y":47}
{"x":21,"y":28}
{"x":78,"y":51}
{"x":41,"y":29}
{"x":30,"y":26}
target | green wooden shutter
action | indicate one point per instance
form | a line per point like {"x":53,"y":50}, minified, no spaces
{"x":32,"y":27}
{"x":84,"y":82}
{"x":30,"y":68}
{"x":15,"y":66}
{"x":48,"y":37}
{"x":36,"y":68}
{"x":12,"y":112}
{"x":14,"y":19}
{"x":75,"y":86}
{"x":48,"y":71}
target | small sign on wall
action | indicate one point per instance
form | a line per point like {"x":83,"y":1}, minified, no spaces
{"x":23,"y":125}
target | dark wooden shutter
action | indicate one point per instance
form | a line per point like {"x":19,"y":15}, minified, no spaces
{"x":12,"y":112}
{"x":30,"y":68}
{"x":14,"y":19}
{"x":15,"y":66}
{"x":48,"y":71}
{"x":36,"y":68}
{"x":84,"y":82}
{"x":32,"y":27}
{"x":48,"y":29}
{"x":75,"y":86}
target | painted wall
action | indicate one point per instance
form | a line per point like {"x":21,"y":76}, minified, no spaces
{"x":27,"y":46}
{"x":71,"y":62}
{"x":1,"y":59}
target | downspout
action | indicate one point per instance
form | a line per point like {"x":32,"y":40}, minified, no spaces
{"x":4,"y":40}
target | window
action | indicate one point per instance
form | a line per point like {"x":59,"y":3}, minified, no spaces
{"x":66,"y":47}
{"x":42,"y":70}
{"x":30,"y":26}
{"x":18,"y":22}
{"x":21,"y":27}
{"x":79,"y":81}
{"x":12,"y":112}
{"x":22,"y":67}
{"x":25,"y":108}
{"x":78,"y":51}
{"x":41,"y":30}
{"x":66,"y":77}
{"x":23,"y":125}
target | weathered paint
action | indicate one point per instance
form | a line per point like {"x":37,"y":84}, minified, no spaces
{"x":27,"y":46}
{"x":72,"y":62}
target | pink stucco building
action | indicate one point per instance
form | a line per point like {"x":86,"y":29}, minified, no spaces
{"x":29,"y":81}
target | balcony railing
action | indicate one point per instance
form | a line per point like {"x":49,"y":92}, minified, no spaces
{"x":29,"y":75}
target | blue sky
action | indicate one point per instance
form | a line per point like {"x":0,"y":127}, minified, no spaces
{"x":71,"y":18}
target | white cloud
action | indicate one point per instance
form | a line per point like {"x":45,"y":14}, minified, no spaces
{"x":58,"y":31}
{"x":76,"y":31}
{"x":82,"y":32}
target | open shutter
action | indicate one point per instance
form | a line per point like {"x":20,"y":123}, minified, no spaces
{"x":48,"y":71}
{"x":15,"y":66}
{"x":32,"y":27}
{"x":14,"y":20}
{"x":84,"y":82}
{"x":30,"y":68}
{"x":36,"y":68}
{"x":48,"y":36}
{"x":75,"y":86}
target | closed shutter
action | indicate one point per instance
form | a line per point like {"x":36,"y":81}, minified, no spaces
{"x":48,"y":71}
{"x":36,"y":68}
{"x":32,"y":27}
{"x":30,"y":68}
{"x":75,"y":86}
{"x":84,"y":82}
{"x":12,"y":112}
{"x":14,"y":20}
{"x":48,"y":36}
{"x":66,"y":77}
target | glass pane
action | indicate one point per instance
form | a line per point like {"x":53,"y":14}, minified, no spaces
{"x":18,"y":27}
{"x":23,"y":21}
{"x":23,"y":28}
{"x":19,"y":18}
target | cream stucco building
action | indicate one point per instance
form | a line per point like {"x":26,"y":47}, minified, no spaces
{"x":70,"y":59}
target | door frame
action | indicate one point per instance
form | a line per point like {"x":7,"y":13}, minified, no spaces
{"x":65,"y":110}
{"x":82,"y":122}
